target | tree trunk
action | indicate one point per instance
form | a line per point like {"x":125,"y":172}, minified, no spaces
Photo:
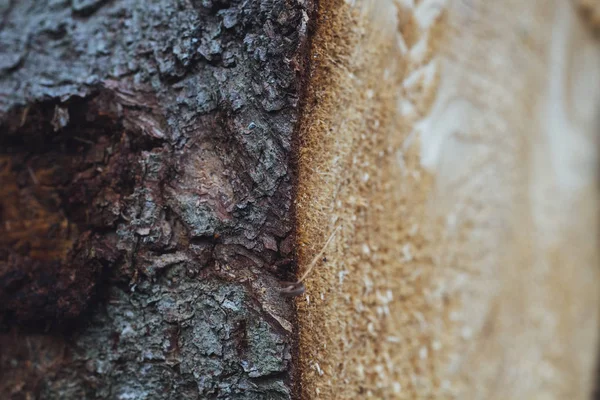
{"x":433,"y":170}
{"x":146,"y":197}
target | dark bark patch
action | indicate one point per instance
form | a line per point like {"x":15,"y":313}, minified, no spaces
{"x":66,"y":171}
{"x":86,"y":7}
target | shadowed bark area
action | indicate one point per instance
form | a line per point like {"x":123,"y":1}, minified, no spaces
{"x":145,"y":197}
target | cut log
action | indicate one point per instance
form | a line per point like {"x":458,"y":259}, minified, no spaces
{"x":455,"y":144}
{"x":274,"y":199}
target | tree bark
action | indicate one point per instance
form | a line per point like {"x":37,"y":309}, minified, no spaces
{"x":146,"y":197}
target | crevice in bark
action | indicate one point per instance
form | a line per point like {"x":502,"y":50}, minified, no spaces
{"x":65,"y":170}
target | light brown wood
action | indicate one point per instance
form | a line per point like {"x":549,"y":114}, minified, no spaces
{"x":456,"y":144}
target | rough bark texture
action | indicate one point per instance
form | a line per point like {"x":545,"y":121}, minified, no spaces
{"x":146,"y":195}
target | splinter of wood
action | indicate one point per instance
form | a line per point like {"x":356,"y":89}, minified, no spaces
{"x":292,"y":289}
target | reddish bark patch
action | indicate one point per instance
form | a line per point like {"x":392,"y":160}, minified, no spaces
{"x":65,"y":170}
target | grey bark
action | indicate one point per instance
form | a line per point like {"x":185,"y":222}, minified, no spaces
{"x":156,"y":137}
